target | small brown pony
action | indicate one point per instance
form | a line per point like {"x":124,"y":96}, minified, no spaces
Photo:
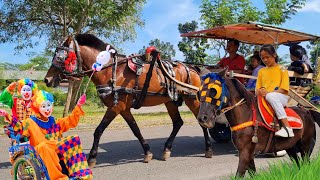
{"x":219,"y":91}
{"x":88,"y":47}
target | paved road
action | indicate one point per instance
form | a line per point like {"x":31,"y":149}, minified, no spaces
{"x":159,"y":108}
{"x":120,"y":156}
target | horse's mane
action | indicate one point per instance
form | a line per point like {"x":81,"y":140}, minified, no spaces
{"x":91,"y":41}
{"x":94,"y":42}
{"x":247,"y":95}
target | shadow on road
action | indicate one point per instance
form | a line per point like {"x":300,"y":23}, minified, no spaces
{"x":124,"y":152}
{"x":5,"y":165}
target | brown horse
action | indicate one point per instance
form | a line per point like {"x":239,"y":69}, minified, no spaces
{"x":88,"y":47}
{"x":219,"y":92}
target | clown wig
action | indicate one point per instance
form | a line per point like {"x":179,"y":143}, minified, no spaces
{"x":28,"y":82}
{"x":40,"y":97}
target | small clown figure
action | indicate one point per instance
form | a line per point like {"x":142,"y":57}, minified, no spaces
{"x":20,"y":107}
{"x":45,"y":134}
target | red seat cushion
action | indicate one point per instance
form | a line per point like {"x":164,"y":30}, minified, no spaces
{"x":268,"y":114}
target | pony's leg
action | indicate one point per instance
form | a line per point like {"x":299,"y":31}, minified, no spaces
{"x":207,"y":141}
{"x":246,"y":157}
{"x":292,"y":153}
{"x":193,"y":105}
{"x":107,"y":118}
{"x":136,"y":131}
{"x":308,"y":143}
{"x":177,"y":123}
{"x":252,"y":168}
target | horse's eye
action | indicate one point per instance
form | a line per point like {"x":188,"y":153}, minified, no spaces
{"x":61,"y":55}
{"x":213,"y":92}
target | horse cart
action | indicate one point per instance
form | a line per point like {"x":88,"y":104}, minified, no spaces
{"x":252,"y":122}
{"x":131,"y":82}
{"x":259,"y":34}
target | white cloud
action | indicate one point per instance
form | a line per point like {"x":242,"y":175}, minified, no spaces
{"x":311,"y":6}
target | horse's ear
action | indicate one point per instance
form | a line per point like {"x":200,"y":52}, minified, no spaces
{"x":67,"y":41}
{"x":223,"y":73}
{"x":202,"y":70}
{"x":110,"y":49}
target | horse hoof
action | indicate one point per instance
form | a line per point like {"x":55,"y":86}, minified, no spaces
{"x":166,"y":155}
{"x":147,"y":158}
{"x":92,"y":163}
{"x":209,"y":154}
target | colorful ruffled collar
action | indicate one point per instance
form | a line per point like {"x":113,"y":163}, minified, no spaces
{"x":44,"y":124}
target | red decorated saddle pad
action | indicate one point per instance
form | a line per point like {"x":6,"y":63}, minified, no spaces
{"x":136,"y":65}
{"x":268,"y":114}
{"x":132,"y":65}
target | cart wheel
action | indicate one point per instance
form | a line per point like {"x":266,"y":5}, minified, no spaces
{"x":26,"y":169}
{"x":221,"y":133}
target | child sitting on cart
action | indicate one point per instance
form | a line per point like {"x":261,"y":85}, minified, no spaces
{"x":45,"y":135}
{"x":298,"y":65}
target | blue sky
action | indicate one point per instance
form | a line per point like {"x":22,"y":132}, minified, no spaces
{"x":161,"y":21}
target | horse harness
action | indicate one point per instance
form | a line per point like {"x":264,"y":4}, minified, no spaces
{"x":171,"y":87}
{"x":71,"y":55}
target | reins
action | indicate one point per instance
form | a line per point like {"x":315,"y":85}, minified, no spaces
{"x":226,"y":109}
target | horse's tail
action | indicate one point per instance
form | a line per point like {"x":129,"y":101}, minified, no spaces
{"x":316,"y":116}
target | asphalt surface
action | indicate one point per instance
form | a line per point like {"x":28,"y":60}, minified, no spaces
{"x":120,"y":155}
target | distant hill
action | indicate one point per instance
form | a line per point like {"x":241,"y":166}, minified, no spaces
{"x":16,"y":74}
{"x":9,"y":66}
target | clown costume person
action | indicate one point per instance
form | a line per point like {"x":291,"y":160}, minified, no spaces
{"x":20,"y":107}
{"x":45,"y":134}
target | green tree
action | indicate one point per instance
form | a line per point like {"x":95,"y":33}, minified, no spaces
{"x":9,"y":66}
{"x":192,"y":48}
{"x":166,"y":48}
{"x":279,"y":11}
{"x":54,"y":19}
{"x":221,"y":12}
{"x":211,"y":60}
{"x":38,"y":63}
{"x":3,"y":83}
{"x":315,"y":52}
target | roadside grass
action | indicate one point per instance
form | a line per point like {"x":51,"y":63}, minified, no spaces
{"x":94,"y":114}
{"x":288,"y":170}
{"x":2,"y":123}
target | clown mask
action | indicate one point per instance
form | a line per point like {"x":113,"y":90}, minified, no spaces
{"x":26,"y":92}
{"x":46,"y":108}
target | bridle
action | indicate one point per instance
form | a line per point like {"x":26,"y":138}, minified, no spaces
{"x":221,"y":95}
{"x":65,"y":55}
{"x":62,"y":53}
{"x":214,"y":91}
{"x":68,"y":59}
